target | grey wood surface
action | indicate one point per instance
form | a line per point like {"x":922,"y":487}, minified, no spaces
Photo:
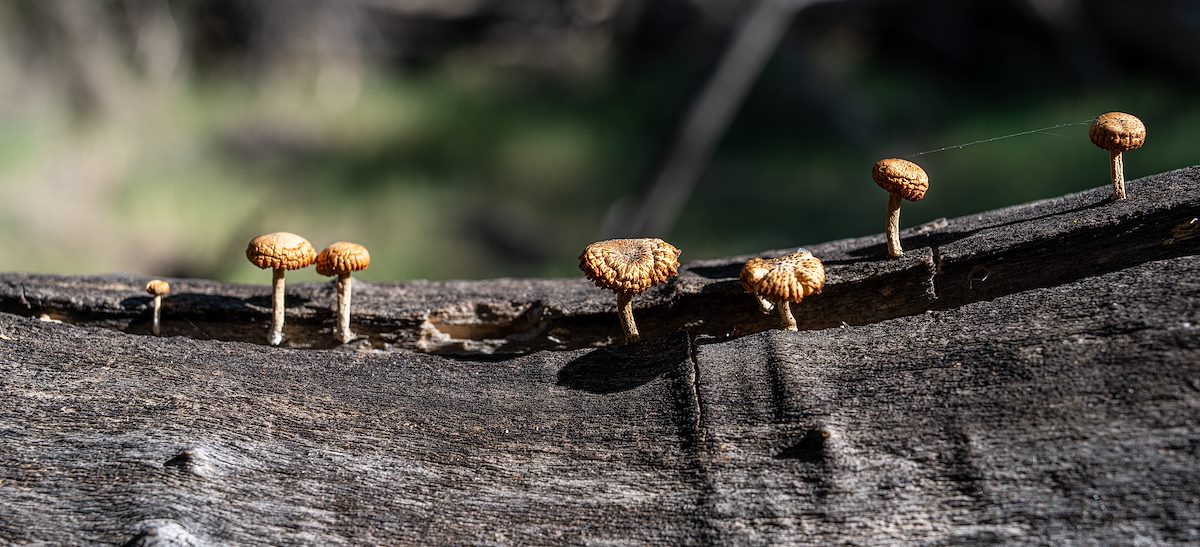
{"x":1028,"y":375}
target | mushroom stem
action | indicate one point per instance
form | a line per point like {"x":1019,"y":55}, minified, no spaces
{"x":276,"y":335}
{"x":344,"y":284}
{"x":893,"y":226}
{"x":785,"y":315}
{"x":1118,"y":174}
{"x":625,"y":310}
{"x":157,"y":308}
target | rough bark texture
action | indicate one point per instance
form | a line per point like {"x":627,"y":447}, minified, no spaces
{"x":1025,"y":375}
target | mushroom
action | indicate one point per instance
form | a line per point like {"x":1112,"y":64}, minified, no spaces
{"x":279,"y":251}
{"x":902,"y":179}
{"x":341,"y":259}
{"x":778,"y":281}
{"x":1117,"y":132}
{"x":628,"y":267}
{"x":158,"y":289}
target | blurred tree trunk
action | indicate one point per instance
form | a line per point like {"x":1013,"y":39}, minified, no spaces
{"x":707,"y":120}
{"x":110,"y":59}
{"x":159,"y":42}
{"x":100,"y":81}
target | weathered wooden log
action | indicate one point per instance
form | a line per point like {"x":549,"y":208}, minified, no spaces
{"x":1026,"y":375}
{"x":948,"y":263}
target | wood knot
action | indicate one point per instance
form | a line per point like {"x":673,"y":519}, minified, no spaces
{"x":163,"y":533}
{"x":810,"y":448}
{"x":191,"y":460}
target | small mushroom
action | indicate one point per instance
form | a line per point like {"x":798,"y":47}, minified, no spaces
{"x":279,"y":251}
{"x":341,"y":259}
{"x":158,"y":289}
{"x":1117,"y":132}
{"x":628,"y":267}
{"x":902,"y":179}
{"x":778,"y":281}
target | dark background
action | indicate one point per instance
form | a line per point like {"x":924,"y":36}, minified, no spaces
{"x":481,"y":138}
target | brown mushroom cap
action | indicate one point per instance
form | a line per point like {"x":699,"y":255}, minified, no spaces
{"x":902,"y":177}
{"x":158,"y":287}
{"x":281,"y":251}
{"x":629,"y":266}
{"x":790,"y":277}
{"x":343,"y":257}
{"x":1118,"y":132}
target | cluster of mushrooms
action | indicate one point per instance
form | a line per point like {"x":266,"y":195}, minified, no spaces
{"x":629,"y":267}
{"x":283,"y":251}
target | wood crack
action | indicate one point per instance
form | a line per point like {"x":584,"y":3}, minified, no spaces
{"x":694,"y":390}
{"x":935,"y":274}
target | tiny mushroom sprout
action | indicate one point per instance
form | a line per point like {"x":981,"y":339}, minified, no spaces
{"x":902,"y":179}
{"x":628,"y":267}
{"x":341,"y":259}
{"x":279,"y":251}
{"x":777,"y":282}
{"x":158,"y":289}
{"x":1117,"y":132}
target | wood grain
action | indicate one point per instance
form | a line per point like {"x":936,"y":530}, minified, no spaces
{"x":1053,"y":399}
